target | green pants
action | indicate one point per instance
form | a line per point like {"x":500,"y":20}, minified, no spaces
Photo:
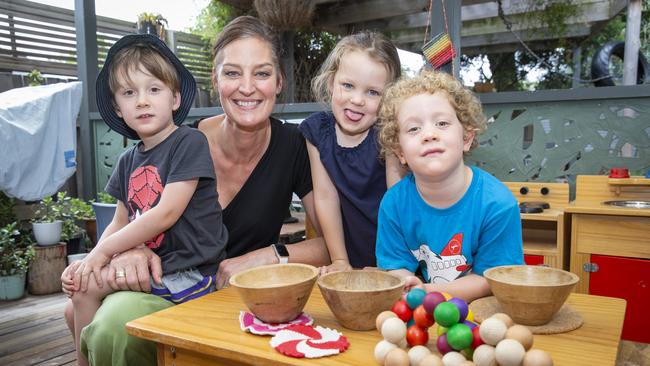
{"x":105,"y":341}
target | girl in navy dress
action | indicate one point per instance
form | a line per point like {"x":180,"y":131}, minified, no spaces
{"x":349,"y":176}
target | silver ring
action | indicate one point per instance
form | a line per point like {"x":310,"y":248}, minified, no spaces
{"x":120,"y":274}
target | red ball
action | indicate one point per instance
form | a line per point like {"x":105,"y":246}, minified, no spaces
{"x":402,"y":310}
{"x":422,"y":317}
{"x":476,"y":338}
{"x":416,"y":336}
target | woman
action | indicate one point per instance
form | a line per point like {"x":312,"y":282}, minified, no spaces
{"x":259,"y":163}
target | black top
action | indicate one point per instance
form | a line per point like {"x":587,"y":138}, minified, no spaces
{"x":254,"y":216}
{"x":198,"y":238}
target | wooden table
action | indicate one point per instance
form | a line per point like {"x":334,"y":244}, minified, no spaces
{"x":206,"y":331}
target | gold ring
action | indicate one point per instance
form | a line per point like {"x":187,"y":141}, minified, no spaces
{"x":120,"y":274}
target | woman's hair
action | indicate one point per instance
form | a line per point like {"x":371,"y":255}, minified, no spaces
{"x":145,"y":58}
{"x":375,"y":45}
{"x":468,"y":108}
{"x":248,"y":27}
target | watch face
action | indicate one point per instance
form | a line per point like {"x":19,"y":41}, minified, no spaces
{"x":282,"y":250}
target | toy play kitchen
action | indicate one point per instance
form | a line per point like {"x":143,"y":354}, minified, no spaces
{"x":610,"y":243}
{"x":543,"y":222}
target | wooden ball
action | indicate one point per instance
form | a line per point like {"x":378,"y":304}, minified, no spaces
{"x":509,"y":353}
{"x":393,"y":330}
{"x":484,"y":355}
{"x":504,"y":318}
{"x":417,"y":353}
{"x":492,"y":330}
{"x":537,"y":357}
{"x":396,"y":357}
{"x":383,"y":316}
{"x":381,"y":349}
{"x":453,"y":359}
{"x":431,"y":360}
{"x":521,"y":334}
{"x":467,"y":363}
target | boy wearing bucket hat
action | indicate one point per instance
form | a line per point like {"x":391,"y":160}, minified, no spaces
{"x":165,"y":184}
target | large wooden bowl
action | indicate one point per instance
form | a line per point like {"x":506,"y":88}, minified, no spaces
{"x":531,"y":295}
{"x":276,"y":293}
{"x":357,"y":297}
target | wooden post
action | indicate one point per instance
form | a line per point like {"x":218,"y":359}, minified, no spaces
{"x":632,"y":42}
{"x":44,"y":275}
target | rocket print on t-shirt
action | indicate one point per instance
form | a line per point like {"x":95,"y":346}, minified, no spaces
{"x":145,"y":189}
{"x":446,"y":266}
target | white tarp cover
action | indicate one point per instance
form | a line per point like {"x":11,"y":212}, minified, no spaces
{"x":38,"y":139}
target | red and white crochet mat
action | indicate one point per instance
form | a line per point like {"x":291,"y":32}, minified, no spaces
{"x":307,"y":341}
{"x":249,"y":323}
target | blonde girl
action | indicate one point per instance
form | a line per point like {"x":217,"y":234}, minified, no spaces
{"x":348,"y":174}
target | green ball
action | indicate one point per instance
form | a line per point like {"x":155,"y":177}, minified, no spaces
{"x":459,"y":336}
{"x":446,"y":314}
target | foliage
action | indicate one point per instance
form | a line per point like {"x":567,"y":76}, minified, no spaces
{"x":16,"y":251}
{"x":152,"y":18}
{"x":310,"y":51}
{"x":211,"y":21}
{"x":70,"y":210}
{"x":34,"y":78}
{"x":6,"y":210}
{"x":103,"y":197}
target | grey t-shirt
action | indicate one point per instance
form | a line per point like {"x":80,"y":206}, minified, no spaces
{"x":198,"y":239}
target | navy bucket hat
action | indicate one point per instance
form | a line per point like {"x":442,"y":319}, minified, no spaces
{"x":104,"y":95}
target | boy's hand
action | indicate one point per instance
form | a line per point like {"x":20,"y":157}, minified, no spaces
{"x":67,"y":278}
{"x":412,"y":282}
{"x":338,"y":265}
{"x":92,"y":264}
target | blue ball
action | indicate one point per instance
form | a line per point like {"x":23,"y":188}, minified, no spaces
{"x":414,"y":297}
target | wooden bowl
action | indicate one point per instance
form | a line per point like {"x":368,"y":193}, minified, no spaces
{"x":357,"y":297}
{"x":276,"y":293}
{"x":531,"y":295}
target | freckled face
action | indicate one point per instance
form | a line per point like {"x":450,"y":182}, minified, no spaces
{"x":432,"y":139}
{"x":356,"y":92}
{"x":248,"y":81}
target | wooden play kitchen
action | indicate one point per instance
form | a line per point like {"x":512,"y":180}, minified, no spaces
{"x":543,"y":230}
{"x":610,"y":244}
{"x":206,"y":331}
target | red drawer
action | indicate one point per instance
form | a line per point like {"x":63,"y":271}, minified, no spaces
{"x":629,"y":279}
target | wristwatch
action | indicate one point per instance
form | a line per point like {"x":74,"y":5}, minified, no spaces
{"x":281,"y":252}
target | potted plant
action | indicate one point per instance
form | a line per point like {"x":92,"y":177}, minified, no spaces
{"x":149,"y":23}
{"x":47,"y":223}
{"x":83,"y":212}
{"x":16,"y":252}
{"x":104,"y":211}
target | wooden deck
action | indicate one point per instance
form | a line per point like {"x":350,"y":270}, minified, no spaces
{"x":33,"y":332}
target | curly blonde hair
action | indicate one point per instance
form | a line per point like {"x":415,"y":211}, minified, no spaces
{"x":375,"y":45}
{"x":467,"y":106}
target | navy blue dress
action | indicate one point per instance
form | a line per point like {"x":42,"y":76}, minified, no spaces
{"x":360,"y":179}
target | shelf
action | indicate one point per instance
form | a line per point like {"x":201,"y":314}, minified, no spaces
{"x":535,"y":247}
{"x":548,"y":215}
{"x":616,"y":184}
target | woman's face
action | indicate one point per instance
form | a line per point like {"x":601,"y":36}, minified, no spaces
{"x":248,"y":81}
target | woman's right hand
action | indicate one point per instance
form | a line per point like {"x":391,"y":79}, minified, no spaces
{"x":139,"y":265}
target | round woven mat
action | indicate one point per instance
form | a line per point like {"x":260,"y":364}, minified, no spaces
{"x":565,"y":320}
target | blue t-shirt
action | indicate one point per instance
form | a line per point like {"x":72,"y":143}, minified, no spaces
{"x":360,"y":179}
{"x":480,"y":231}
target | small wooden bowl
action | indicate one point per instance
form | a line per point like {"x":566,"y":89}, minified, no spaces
{"x":276,"y":293}
{"x":357,"y":297}
{"x":531,"y":295}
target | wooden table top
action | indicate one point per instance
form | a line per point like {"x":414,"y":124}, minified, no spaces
{"x":210,"y":325}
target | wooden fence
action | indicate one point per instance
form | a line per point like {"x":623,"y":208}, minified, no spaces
{"x":42,"y":37}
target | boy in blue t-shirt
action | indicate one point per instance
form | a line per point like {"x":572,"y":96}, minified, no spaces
{"x":447,"y":219}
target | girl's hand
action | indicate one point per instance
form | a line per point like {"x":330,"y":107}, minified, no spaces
{"x":336,"y":266}
{"x":92,"y":264}
{"x":67,"y":278}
